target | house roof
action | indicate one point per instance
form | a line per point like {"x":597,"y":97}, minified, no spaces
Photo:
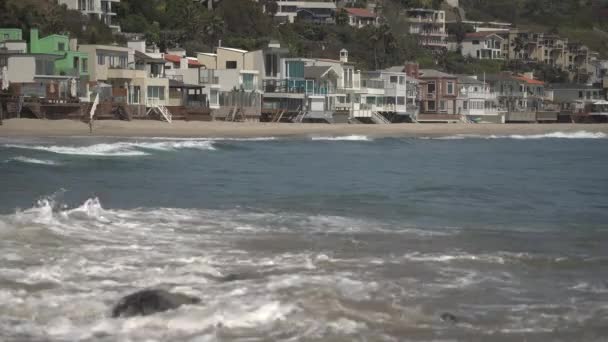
{"x":398,"y":68}
{"x":232,"y":49}
{"x":465,"y":79}
{"x":316,"y":71}
{"x":147,"y":59}
{"x":177,"y":59}
{"x":574,"y":86}
{"x":481,"y":35}
{"x":431,"y":73}
{"x":360,"y":12}
{"x":529,"y":80}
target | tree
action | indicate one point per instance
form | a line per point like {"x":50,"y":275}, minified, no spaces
{"x":341,"y":17}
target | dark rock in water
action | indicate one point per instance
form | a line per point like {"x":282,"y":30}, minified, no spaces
{"x":449,"y":318}
{"x":232,"y":277}
{"x":147,"y":302}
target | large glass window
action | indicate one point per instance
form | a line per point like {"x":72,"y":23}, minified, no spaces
{"x":295,"y":69}
{"x":248,"y":82}
{"x":394,"y":79}
{"x":155,"y":92}
{"x":231,"y":64}
{"x":85,"y":65}
{"x":430,"y":88}
{"x":430,"y":106}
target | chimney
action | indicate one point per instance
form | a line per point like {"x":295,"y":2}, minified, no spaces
{"x":73,"y":44}
{"x":183,"y":63}
{"x":412,"y":69}
{"x":138,"y":45}
{"x":34,"y":37}
{"x":344,"y":56}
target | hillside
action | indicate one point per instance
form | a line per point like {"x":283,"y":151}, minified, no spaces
{"x":579,"y":20}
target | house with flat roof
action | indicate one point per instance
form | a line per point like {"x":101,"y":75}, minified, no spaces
{"x":438,"y":94}
{"x":429,"y":26}
{"x":71,"y":62}
{"x":318,"y":11}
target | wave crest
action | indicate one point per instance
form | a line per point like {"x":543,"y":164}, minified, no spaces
{"x":26,"y":160}
{"x":342,"y":138}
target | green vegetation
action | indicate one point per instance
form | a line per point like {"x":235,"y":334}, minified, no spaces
{"x":51,"y":18}
{"x":585,"y":21}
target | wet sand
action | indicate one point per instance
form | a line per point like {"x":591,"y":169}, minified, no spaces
{"x":144,"y":128}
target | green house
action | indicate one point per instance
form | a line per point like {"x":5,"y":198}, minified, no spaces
{"x":10,"y":34}
{"x":73,"y":63}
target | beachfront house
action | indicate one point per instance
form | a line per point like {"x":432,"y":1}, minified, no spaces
{"x":521,"y":96}
{"x":128,"y":82}
{"x":104,"y":10}
{"x":483,"y":45}
{"x":574,"y":97}
{"x":11,"y":39}
{"x":233,"y":83}
{"x":438,"y":95}
{"x":476,"y":102}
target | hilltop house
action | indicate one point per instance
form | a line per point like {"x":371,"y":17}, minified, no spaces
{"x":361,"y":17}
{"x":483,"y":45}
{"x":317,"y":11}
{"x":429,"y":26}
{"x":102,"y":9}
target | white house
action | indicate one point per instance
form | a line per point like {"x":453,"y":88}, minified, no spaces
{"x":483,"y":45}
{"x":476,"y":101}
{"x":361,"y":17}
{"x":316,"y":11}
{"x":102,"y":9}
{"x":429,"y":26}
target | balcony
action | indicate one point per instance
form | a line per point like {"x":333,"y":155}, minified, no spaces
{"x":372,"y":84}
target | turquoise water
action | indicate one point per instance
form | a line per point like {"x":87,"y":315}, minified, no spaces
{"x":337,"y":238}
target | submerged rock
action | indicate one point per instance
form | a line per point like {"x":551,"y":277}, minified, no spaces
{"x":147,"y":302}
{"x":449,"y":318}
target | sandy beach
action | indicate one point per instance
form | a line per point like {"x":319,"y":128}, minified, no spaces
{"x":47,"y":128}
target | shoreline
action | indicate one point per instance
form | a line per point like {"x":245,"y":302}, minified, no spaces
{"x":217,"y":129}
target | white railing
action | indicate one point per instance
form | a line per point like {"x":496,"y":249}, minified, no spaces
{"x":379,"y":119}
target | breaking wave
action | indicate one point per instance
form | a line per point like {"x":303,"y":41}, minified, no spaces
{"x":26,"y":160}
{"x":553,"y":135}
{"x":343,"y":138}
{"x":120,"y":149}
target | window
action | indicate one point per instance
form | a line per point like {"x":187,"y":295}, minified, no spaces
{"x":476,"y":42}
{"x":401,"y":80}
{"x":85,"y":65}
{"x":7,"y":36}
{"x":465,"y":104}
{"x":230,"y":64}
{"x":248,"y":82}
{"x":101,"y":59}
{"x":295,"y":69}
{"x":442,"y":105}
{"x":156,"y":92}
{"x":393,"y":79}
{"x":61,"y":46}
{"x":76,"y":64}
{"x":370,"y":100}
{"x":430,"y":88}
{"x":588,"y":94}
{"x":400,"y":100}
{"x":271,"y":65}
{"x":430,"y":106}
{"x":450,"y":88}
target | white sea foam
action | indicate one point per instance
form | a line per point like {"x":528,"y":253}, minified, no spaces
{"x":121,"y":149}
{"x":26,"y":160}
{"x":553,"y":135}
{"x":342,"y":138}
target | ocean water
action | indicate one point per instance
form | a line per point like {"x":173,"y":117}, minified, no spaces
{"x":334,"y":238}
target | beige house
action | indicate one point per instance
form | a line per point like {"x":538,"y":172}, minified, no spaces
{"x":131,"y":84}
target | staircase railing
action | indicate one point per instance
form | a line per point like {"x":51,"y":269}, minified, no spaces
{"x":379,"y":119}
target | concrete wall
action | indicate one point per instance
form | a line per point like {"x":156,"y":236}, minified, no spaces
{"x":21,"y":69}
{"x":209,"y":61}
{"x":10,"y":34}
{"x":15,"y":46}
{"x":225,"y":55}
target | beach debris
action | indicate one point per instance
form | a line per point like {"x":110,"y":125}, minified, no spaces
{"x":151,"y":301}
